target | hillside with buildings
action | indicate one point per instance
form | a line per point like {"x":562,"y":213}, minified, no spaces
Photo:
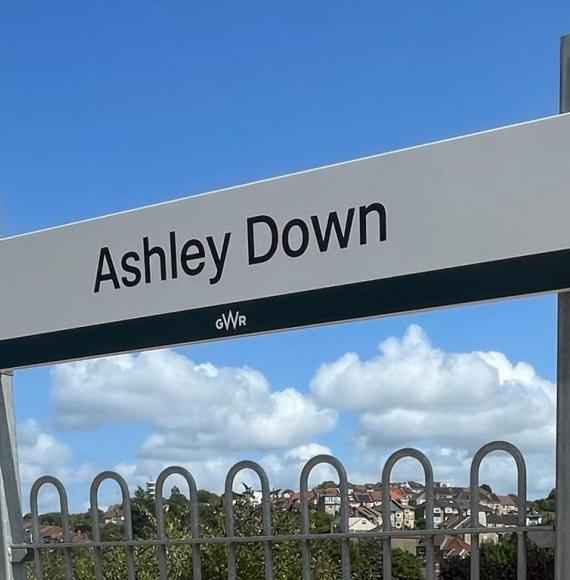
{"x":451,"y":515}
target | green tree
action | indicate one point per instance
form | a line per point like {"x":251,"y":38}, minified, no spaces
{"x":320,"y":522}
{"x":209,"y":498}
{"x":143,"y":514}
{"x":112,"y":532}
{"x":208,"y":503}
{"x":499,"y":562}
{"x":50,"y":519}
{"x":405,"y":566}
{"x":366,"y":555}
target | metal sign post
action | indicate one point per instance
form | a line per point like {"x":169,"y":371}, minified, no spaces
{"x":563,"y":380}
{"x":11,"y":530}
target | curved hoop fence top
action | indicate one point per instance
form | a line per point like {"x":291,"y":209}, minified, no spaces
{"x":95,"y":527}
{"x":36,"y":536}
{"x":229,"y":516}
{"x":358,"y":517}
{"x":521,"y":504}
{"x":194,"y":519}
{"x":387,"y":504}
{"x":305,"y":526}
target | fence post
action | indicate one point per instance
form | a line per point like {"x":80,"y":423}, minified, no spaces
{"x":11,"y":528}
{"x":562,"y":558}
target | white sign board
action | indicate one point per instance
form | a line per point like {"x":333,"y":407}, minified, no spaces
{"x":467,"y":219}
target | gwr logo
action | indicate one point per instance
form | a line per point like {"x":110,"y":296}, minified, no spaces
{"x":231,"y":321}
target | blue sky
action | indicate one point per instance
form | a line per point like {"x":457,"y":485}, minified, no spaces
{"x":108,"y":106}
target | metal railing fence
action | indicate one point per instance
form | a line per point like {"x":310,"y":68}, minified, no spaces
{"x":268,"y":540}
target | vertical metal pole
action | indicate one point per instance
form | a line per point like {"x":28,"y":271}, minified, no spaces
{"x":562,"y":558}
{"x":11,"y":529}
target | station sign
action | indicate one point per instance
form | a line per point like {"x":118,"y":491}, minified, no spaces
{"x":468,"y":219}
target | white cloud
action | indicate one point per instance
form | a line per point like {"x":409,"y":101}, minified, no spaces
{"x":194,"y":408}
{"x":448,"y":404}
{"x":412,"y":391}
{"x":41,"y":453}
{"x":283,"y":470}
{"x":206,"y":418}
{"x":39,"y":450}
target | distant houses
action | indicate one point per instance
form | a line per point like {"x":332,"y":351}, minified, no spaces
{"x":50,"y":534}
{"x":114,"y":515}
{"x":452,"y":513}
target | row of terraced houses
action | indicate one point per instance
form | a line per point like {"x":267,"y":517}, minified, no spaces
{"x":407,"y":511}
